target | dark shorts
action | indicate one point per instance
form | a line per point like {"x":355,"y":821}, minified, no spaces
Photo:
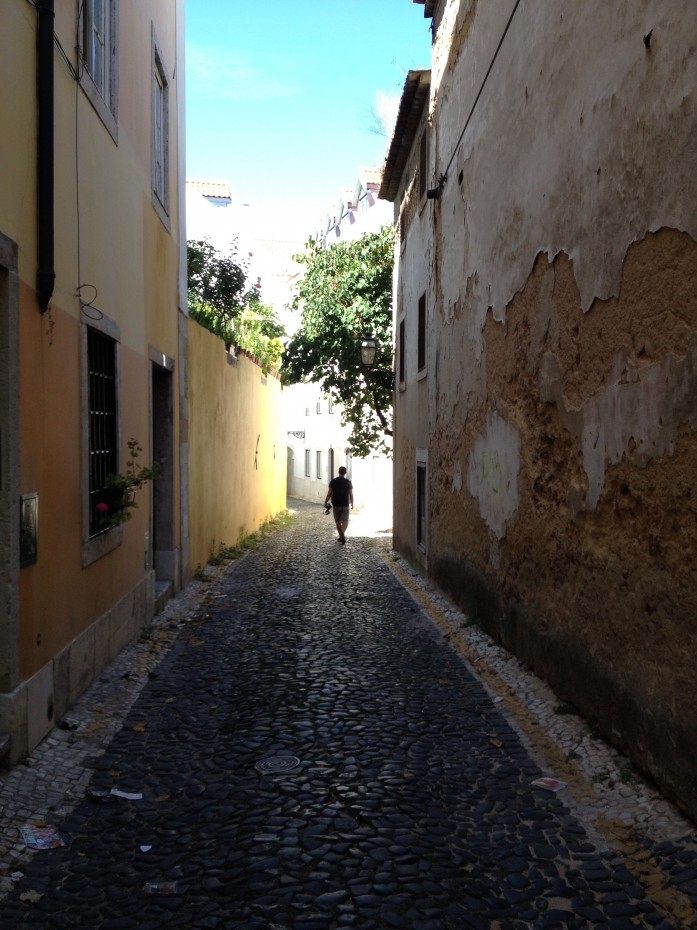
{"x":341,"y":514}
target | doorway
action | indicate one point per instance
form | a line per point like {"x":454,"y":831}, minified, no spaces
{"x":165,"y":552}
{"x":9,"y":466}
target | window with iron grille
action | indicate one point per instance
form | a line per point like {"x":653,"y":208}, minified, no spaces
{"x":318,"y":463}
{"x":102,"y":414}
{"x":308,"y":464}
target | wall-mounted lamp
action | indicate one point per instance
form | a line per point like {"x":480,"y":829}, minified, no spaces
{"x":435,"y":192}
{"x":378,"y":376}
{"x":369,"y":346}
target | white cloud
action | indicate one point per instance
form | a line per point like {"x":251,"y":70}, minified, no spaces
{"x":229,"y":75}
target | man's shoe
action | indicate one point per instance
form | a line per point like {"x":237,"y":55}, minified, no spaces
{"x":342,"y":540}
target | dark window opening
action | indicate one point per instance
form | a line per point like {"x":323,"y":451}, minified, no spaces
{"x":421,"y":349}
{"x":421,"y":505}
{"x":402,"y":353}
{"x":423,"y":165}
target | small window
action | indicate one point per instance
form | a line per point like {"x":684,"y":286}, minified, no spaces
{"x":307,"y":411}
{"x":330,"y":405}
{"x":99,"y":56}
{"x":308,"y":464}
{"x":102,"y":425}
{"x":423,"y":165}
{"x":319,"y":407}
{"x":421,"y":505}
{"x":318,"y":465}
{"x":421,"y":343}
{"x":402,"y":349}
{"x":160,"y":135}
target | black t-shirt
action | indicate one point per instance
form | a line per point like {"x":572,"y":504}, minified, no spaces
{"x":340,"y":491}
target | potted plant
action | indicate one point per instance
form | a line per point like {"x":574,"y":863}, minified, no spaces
{"x":117,"y":497}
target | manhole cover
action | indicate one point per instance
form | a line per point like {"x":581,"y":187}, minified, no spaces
{"x":275,"y":764}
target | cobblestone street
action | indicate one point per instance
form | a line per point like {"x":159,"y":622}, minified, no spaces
{"x":314,"y":740}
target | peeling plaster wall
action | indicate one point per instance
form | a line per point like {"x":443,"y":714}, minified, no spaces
{"x":575,"y":117}
{"x":562,"y":353}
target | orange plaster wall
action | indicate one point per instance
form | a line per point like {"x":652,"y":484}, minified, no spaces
{"x":58,"y":597}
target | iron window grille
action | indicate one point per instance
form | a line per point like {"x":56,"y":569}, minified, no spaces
{"x":102,"y":413}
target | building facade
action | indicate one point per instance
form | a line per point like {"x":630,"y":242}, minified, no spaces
{"x":546,"y":330}
{"x":316,"y":438}
{"x":92,"y":302}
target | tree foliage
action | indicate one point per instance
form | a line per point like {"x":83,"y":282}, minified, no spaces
{"x":221,"y":299}
{"x":345,"y":294}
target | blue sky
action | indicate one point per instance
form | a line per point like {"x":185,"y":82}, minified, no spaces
{"x":279,"y":94}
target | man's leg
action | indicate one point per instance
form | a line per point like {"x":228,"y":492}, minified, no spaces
{"x":341,"y":520}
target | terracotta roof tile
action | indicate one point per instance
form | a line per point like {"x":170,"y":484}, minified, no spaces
{"x":217,"y":189}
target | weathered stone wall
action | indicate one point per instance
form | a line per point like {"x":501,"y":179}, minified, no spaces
{"x":563,"y":353}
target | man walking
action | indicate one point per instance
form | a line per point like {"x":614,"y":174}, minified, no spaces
{"x":340,"y":493}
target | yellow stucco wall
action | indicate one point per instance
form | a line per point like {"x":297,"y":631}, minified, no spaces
{"x":113,"y":251}
{"x":237,"y":457}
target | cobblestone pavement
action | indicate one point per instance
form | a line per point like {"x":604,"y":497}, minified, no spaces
{"x":321,"y":741}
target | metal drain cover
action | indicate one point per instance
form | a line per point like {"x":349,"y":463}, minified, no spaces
{"x":275,"y":764}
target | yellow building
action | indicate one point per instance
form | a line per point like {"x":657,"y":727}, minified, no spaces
{"x":92,"y":289}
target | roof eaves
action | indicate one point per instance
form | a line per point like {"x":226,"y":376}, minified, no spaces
{"x":414,"y":98}
{"x":428,"y":5}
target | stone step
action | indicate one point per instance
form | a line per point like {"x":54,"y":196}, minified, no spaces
{"x":164,"y":590}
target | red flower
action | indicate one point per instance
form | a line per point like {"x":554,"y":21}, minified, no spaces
{"x":102,"y":507}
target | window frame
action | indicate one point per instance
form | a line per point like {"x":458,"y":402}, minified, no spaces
{"x":100,"y":79}
{"x":318,"y":464}
{"x":160,"y":134}
{"x":308,"y":463}
{"x":402,"y":352}
{"x":421,"y":501}
{"x":423,"y":166}
{"x":421,"y":342}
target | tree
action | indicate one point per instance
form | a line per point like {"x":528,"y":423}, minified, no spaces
{"x":345,"y":294}
{"x":221,"y":299}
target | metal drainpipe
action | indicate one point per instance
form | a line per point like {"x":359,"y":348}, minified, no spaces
{"x":45,"y":273}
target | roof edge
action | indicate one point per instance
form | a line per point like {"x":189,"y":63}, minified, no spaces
{"x":415,"y":96}
{"x":428,"y":5}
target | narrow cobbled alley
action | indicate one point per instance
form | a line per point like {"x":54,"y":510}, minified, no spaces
{"x":312,"y":751}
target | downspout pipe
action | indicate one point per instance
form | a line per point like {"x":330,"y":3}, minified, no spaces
{"x":45,"y":273}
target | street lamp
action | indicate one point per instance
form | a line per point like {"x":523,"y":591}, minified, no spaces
{"x":369,"y":346}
